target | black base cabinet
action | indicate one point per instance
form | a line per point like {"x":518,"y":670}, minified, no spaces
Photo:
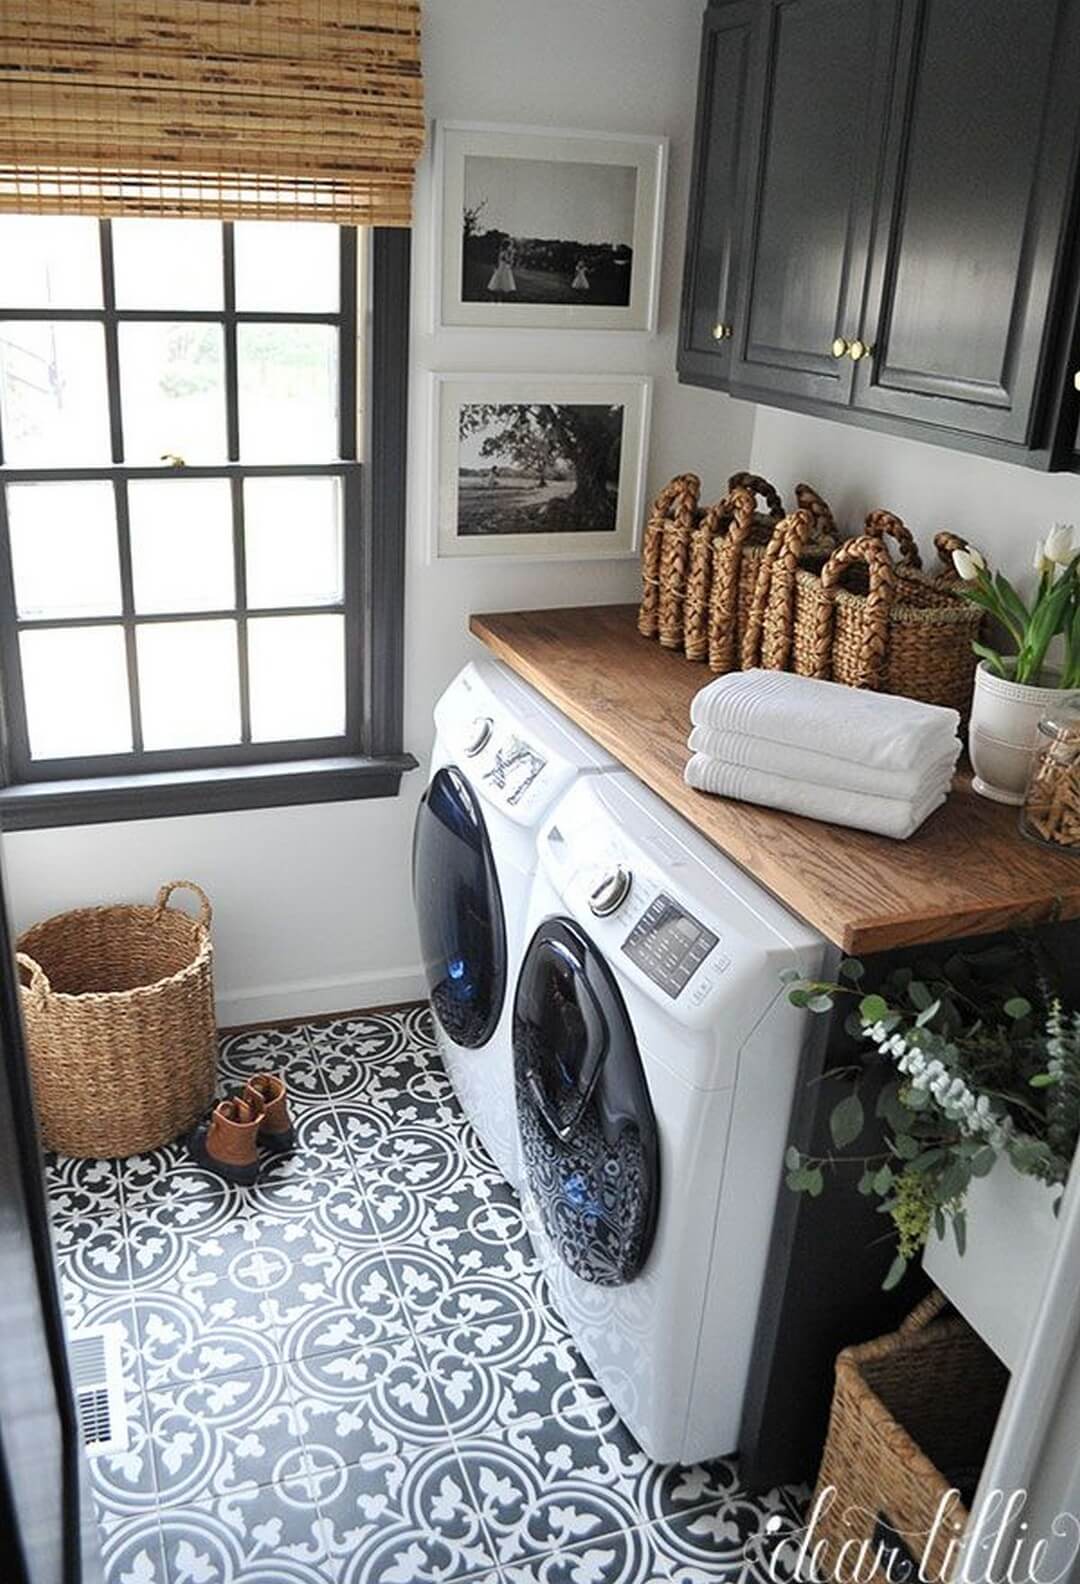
{"x":884,"y":215}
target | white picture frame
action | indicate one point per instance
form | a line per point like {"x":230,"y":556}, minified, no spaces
{"x":496,"y":433}
{"x":525,"y":181}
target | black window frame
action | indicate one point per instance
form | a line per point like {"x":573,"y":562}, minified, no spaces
{"x":368,"y":760}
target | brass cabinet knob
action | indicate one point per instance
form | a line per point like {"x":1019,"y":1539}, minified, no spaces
{"x":721,"y":332}
{"x":839,"y":347}
{"x":859,"y":349}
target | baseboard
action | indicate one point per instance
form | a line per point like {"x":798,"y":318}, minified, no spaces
{"x":316,"y":997}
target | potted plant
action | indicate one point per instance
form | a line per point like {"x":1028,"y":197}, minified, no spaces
{"x":1013,"y":692}
{"x":979,"y":1125}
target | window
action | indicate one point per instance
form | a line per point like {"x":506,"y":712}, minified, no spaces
{"x":192,"y":612}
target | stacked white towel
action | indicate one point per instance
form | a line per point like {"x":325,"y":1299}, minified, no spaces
{"x":870,"y":761}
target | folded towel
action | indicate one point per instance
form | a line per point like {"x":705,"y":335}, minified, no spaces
{"x":825,"y":769}
{"x":879,"y":730}
{"x":896,"y":817}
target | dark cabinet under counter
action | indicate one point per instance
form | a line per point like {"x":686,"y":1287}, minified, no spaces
{"x":897,"y":214}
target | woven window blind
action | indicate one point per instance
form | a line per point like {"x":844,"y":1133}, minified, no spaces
{"x":225,"y":109}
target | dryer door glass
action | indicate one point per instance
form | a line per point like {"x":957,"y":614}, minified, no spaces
{"x":459,"y":910}
{"x":588,"y":1132}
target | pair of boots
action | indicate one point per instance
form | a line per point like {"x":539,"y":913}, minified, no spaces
{"x":228,"y":1141}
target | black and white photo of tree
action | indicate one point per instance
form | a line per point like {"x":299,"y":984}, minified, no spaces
{"x":529,"y":467}
{"x":547,"y":231}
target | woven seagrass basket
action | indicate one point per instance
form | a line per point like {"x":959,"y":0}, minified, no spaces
{"x":912,"y":1418}
{"x":739,"y":555}
{"x":700,"y":564}
{"x":665,"y":559}
{"x":118,"y":1005}
{"x":866,"y":620}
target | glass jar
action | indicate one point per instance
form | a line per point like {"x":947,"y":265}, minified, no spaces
{"x":1051,"y":811}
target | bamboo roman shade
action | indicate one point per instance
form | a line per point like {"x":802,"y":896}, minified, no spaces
{"x":224,"y":109}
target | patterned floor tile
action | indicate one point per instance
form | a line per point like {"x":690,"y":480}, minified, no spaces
{"x":131,"y":1549}
{"x":352,"y":1403}
{"x":511,"y":1370}
{"x":364,"y":1309}
{"x":354,"y":1373}
{"x":545,"y":1486}
{"x":265,"y":1534}
{"x":217,"y":1436}
{"x":81,"y":1187}
{"x":92,"y":1254}
{"x":403,"y":1516}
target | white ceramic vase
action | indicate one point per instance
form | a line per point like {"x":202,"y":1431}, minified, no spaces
{"x":997,"y":1283}
{"x":1005,"y":716}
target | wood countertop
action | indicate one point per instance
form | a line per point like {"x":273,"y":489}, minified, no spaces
{"x":967,"y":871}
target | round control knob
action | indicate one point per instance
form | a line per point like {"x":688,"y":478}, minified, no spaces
{"x":479,"y":735}
{"x":610,"y":891}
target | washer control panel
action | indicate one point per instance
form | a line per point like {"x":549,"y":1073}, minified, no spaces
{"x":669,"y":944}
{"x":514,"y":767}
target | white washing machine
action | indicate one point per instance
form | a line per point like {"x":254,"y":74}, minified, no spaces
{"x":502,"y":758}
{"x":655,"y":1056}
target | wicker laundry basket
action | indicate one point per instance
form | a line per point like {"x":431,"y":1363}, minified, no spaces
{"x":912,"y":1418}
{"x":665,"y":559}
{"x":868,"y":620}
{"x":118,"y":1004}
{"x":739,"y":555}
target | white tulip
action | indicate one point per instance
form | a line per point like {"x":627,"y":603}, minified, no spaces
{"x":966,"y":564}
{"x":1038,"y":559}
{"x":978,"y":557}
{"x":1059,"y":543}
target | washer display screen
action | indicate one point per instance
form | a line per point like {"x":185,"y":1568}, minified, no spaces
{"x":669,"y":944}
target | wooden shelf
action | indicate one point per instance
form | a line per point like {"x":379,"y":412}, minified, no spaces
{"x":966,"y":872}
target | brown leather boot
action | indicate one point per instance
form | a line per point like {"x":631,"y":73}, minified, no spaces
{"x":226,"y":1142}
{"x":275,"y":1129}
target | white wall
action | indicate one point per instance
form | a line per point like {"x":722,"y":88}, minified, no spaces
{"x":312,"y":904}
{"x":1001,"y":507}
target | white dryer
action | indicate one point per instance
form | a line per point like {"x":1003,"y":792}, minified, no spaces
{"x":655,"y":1056}
{"x":502,"y":758}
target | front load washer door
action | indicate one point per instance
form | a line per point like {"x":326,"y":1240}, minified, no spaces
{"x":459,"y":910}
{"x":588,"y":1133}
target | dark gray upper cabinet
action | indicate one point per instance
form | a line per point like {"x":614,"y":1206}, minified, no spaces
{"x":897,"y":216}
{"x":717,"y":182}
{"x":964,"y":278}
{"x":822,"y":70}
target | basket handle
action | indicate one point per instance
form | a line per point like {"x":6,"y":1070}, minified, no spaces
{"x":923,"y":1313}
{"x":776,"y":575}
{"x":737,"y":509}
{"x":760,"y":487}
{"x":808,"y":499}
{"x":206,"y":912}
{"x":39,"y":986}
{"x":879,"y":601}
{"x":945,"y":543}
{"x":882,"y":523}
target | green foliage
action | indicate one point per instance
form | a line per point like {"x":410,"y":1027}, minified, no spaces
{"x":988,"y":1064}
{"x":1054,"y":609}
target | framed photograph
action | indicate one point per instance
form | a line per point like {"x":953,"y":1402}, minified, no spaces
{"x":539,"y":466}
{"x":548,"y":230}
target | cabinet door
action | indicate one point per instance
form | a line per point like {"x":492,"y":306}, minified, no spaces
{"x":715,"y":189}
{"x":965,"y":276}
{"x":823,"y":70}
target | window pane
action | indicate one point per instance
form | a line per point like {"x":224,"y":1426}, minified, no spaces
{"x":288,"y":392}
{"x":53,"y":406}
{"x":63,"y":549}
{"x":189,"y":688}
{"x":172,"y":391}
{"x":181,"y":544}
{"x":75,"y":683}
{"x":287,"y":268}
{"x":292,"y":535}
{"x":167,"y":263}
{"x":297,"y":670}
{"x":49,"y":261}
